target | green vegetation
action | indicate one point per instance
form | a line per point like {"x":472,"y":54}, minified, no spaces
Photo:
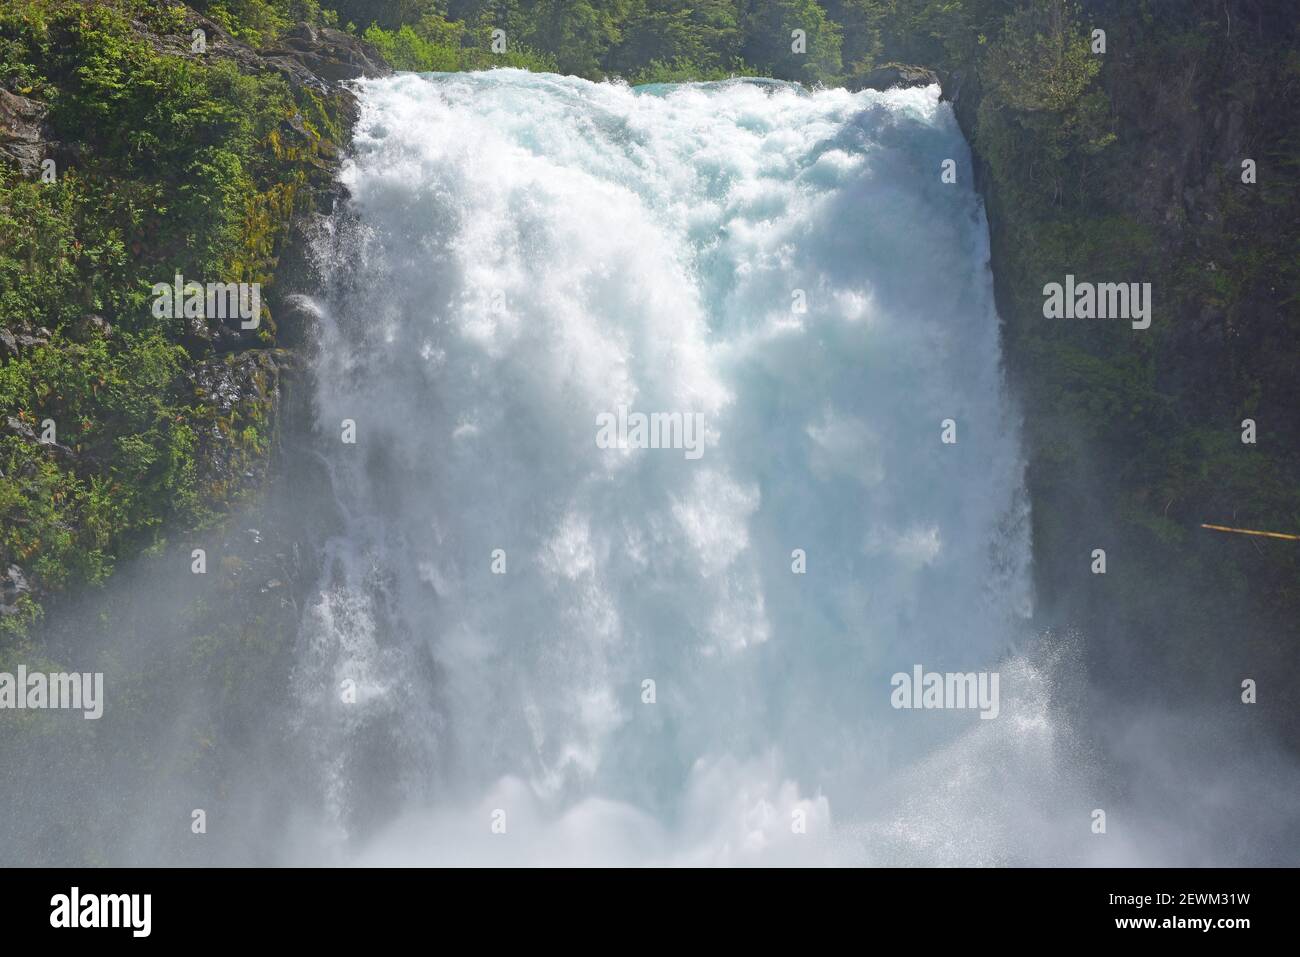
{"x":125,"y":422}
{"x":164,"y":164}
{"x":258,"y":22}
{"x":435,"y":44}
{"x":642,"y":41}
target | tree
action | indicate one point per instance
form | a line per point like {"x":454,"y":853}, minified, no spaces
{"x":859,"y":22}
{"x":770,"y":40}
{"x":578,"y":33}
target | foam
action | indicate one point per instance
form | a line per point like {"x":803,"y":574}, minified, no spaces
{"x":537,"y":250}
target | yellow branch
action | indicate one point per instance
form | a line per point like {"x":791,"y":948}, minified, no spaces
{"x":1249,"y":531}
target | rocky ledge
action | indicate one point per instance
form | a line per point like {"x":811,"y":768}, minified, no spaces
{"x":893,"y":75}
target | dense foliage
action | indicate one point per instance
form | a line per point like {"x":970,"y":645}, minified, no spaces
{"x":163,"y":164}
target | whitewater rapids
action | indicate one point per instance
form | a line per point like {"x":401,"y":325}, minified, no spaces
{"x":523,"y":254}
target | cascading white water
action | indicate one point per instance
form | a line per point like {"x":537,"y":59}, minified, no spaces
{"x":531,"y":252}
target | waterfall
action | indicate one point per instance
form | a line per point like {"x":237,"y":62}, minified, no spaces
{"x":545,"y":635}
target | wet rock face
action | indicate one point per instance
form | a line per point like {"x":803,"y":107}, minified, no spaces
{"x":225,"y":384}
{"x":22,"y":136}
{"x":299,"y":317}
{"x":238,"y":399}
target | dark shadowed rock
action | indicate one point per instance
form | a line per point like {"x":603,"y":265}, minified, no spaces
{"x":24,"y":431}
{"x":196,"y":337}
{"x":22,"y":138}
{"x":893,"y":75}
{"x":298,"y":316}
{"x":13,"y":585}
{"x":90,"y":327}
{"x":20,"y":339}
{"x":201,"y":337}
{"x":229,"y":335}
{"x":329,"y":54}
